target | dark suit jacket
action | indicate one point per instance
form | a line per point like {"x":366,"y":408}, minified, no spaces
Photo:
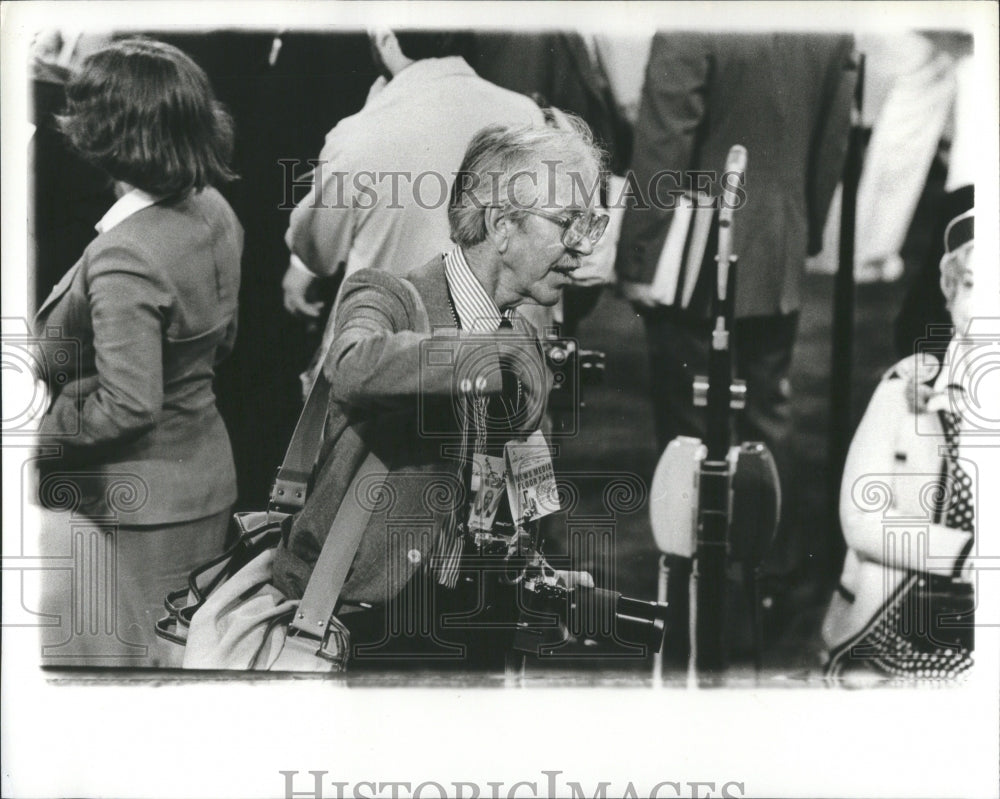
{"x":786,"y":98}
{"x":558,"y":67}
{"x":394,"y":392}
{"x":149,"y":308}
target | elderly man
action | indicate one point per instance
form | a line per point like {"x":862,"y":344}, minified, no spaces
{"x":435,"y":373}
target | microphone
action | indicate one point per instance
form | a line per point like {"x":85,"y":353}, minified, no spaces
{"x":736,"y":163}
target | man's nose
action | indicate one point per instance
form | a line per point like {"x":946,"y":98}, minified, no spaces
{"x":583,"y":247}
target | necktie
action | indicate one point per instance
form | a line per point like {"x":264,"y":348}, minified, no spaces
{"x":959,"y":514}
{"x":510,"y":386}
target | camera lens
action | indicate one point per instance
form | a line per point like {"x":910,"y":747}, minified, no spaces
{"x":611,"y":618}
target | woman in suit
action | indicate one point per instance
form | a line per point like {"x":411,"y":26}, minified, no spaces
{"x":141,"y":484}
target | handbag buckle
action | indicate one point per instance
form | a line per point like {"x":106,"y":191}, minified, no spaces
{"x":336,"y":644}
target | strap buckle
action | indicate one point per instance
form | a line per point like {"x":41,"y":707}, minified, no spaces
{"x":288,"y":493}
{"x":334,"y":644}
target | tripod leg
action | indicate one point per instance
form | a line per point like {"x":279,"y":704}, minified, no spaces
{"x":758,"y":623}
{"x":661,"y":596}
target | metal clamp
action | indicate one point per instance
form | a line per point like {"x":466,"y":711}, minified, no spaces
{"x":701,"y":391}
{"x":738,"y":395}
{"x":288,"y":494}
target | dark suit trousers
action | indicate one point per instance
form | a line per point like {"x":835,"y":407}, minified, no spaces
{"x":427,"y":626}
{"x":678,"y":352}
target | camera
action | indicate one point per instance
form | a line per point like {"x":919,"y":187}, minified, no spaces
{"x":572,"y":368}
{"x":560,"y":621}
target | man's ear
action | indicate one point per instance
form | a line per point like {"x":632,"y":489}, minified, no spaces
{"x":498,"y":228}
{"x":385,"y":41}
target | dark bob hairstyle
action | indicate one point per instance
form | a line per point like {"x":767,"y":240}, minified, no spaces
{"x":145,"y":113}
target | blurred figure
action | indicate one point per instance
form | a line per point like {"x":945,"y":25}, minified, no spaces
{"x":67,"y":195}
{"x":152,"y":303}
{"x":916,"y":114}
{"x":419,"y":117}
{"x":279,"y":117}
{"x":923,"y":320}
{"x":567,"y":71}
{"x":786,"y":98}
{"x":904,"y":605}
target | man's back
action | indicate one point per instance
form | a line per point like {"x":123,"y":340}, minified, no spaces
{"x":415,"y":128}
{"x":783,"y":97}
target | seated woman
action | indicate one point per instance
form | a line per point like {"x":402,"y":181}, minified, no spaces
{"x":141,"y":485}
{"x":904,"y":605}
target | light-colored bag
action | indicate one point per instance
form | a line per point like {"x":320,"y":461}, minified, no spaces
{"x":231,"y":616}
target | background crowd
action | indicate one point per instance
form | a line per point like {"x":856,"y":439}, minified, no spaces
{"x":411,"y":102}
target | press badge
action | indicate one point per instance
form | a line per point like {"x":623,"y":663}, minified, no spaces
{"x":531,"y":480}
{"x":487,"y":486}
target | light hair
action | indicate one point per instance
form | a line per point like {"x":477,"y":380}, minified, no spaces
{"x":498,"y":155}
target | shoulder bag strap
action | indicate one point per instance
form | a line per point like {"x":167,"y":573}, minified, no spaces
{"x":288,"y":494}
{"x":341,"y":545}
{"x":345,"y":533}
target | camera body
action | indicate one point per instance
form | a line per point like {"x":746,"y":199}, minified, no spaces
{"x":559,"y":620}
{"x":572,"y":368}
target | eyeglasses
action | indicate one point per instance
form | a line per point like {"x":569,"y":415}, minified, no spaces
{"x":579,"y":228}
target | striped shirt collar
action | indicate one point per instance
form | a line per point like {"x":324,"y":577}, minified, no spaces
{"x":474,"y":307}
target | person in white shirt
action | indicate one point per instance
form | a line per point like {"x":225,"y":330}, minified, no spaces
{"x":380,"y":194}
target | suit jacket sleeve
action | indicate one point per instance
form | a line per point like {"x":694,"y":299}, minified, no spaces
{"x":377,"y":358}
{"x":128,"y":305}
{"x":830,"y":139}
{"x":226,"y":347}
{"x":322,"y":225}
{"x":870,"y":459}
{"x":672,"y":111}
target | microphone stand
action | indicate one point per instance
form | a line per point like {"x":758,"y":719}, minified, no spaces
{"x":841,"y":360}
{"x":708,"y":648}
{"x":698,"y":537}
{"x":719,"y":396}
